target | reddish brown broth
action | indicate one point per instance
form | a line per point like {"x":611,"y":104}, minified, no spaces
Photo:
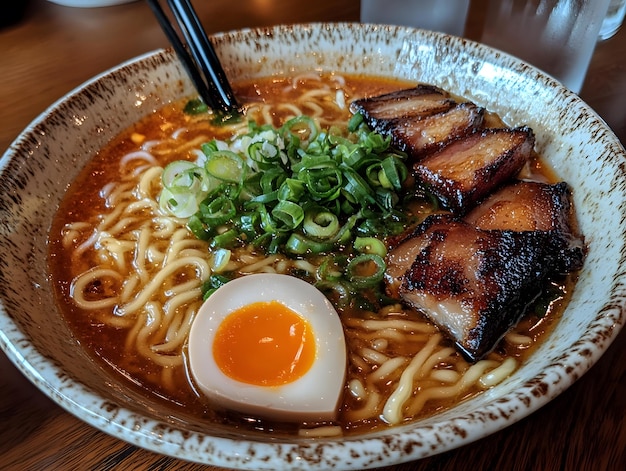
{"x":82,"y":202}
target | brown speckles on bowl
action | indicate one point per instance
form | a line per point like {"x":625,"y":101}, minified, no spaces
{"x":40,"y":164}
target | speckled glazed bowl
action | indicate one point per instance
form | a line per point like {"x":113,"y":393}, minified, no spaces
{"x":37,"y":168}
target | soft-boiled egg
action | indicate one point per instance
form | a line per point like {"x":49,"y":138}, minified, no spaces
{"x":271,"y":346}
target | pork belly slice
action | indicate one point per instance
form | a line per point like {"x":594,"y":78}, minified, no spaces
{"x":534,"y":206}
{"x":419,"y":136}
{"x":423,"y":100}
{"x":400,"y":258}
{"x":467,"y":170}
{"x":525,"y":206}
{"x":473,"y":284}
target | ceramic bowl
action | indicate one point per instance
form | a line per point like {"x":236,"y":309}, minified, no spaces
{"x":39,"y":165}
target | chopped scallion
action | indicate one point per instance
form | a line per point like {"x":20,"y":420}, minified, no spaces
{"x":312,"y":190}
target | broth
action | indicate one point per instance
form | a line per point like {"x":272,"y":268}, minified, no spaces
{"x":380,"y":344}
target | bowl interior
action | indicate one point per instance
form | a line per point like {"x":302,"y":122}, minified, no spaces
{"x":42,"y":162}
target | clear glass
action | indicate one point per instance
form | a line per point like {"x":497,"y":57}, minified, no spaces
{"x":436,"y":15}
{"x":613,"y":19}
{"x":558,"y":36}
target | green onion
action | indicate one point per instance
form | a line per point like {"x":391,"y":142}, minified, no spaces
{"x":323,"y":182}
{"x":195,"y":106}
{"x":269,"y":182}
{"x":301,"y":127}
{"x":217,"y":211}
{"x":226,"y":240}
{"x":219,"y":259}
{"x":264,"y":152}
{"x":312,"y":190}
{"x":365,"y":270}
{"x":290,"y":214}
{"x":199,"y":228}
{"x":212,"y":284}
{"x":226,"y":166}
{"x":248,"y":223}
{"x":356,"y":187}
{"x":300,"y":245}
{"x":393,"y":173}
{"x":291,"y":190}
{"x":332,"y":268}
{"x":267,"y":222}
{"x":370,"y":245}
{"x":320,"y":223}
{"x":355,"y":121}
{"x":335,"y":290}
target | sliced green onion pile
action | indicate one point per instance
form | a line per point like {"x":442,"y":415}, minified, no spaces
{"x":296,"y":189}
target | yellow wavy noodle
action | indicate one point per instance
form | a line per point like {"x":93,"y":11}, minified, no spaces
{"x":149,"y":270}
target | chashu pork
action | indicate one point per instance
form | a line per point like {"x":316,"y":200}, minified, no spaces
{"x":534,"y":206}
{"x":473,"y":277}
{"x":420,"y":136}
{"x":417,"y":102}
{"x":468,"y":169}
{"x":473,"y":284}
{"x":419,"y":120}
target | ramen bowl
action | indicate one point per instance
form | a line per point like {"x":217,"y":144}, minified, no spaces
{"x":38,"y":167}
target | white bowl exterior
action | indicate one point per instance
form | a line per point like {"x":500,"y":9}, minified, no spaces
{"x":38,"y":167}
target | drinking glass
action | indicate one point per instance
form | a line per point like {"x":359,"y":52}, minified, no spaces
{"x":558,"y":36}
{"x":445,"y":16}
{"x":613,"y":19}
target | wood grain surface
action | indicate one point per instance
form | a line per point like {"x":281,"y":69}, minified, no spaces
{"x":55,"y":48}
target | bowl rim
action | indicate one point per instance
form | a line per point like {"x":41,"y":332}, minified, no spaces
{"x":21,"y":352}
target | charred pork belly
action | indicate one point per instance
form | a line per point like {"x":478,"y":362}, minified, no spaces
{"x":421,"y":101}
{"x":419,"y":136}
{"x":473,"y":277}
{"x":534,"y":206}
{"x":473,"y":284}
{"x":468,"y":169}
{"x":400,"y":258}
{"x":525,"y":206}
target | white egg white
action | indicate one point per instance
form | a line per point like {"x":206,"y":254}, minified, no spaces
{"x":312,"y":397}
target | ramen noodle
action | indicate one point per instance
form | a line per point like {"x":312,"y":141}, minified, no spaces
{"x":130,"y":275}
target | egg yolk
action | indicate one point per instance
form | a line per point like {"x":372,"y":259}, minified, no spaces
{"x":265,"y":344}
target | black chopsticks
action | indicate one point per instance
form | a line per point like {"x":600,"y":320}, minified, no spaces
{"x":198,"y":55}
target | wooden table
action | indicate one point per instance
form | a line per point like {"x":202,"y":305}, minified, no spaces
{"x":55,"y":48}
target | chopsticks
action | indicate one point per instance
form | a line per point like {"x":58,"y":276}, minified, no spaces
{"x":197,"y":55}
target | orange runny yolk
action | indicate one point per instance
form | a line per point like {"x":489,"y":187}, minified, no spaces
{"x":265,"y":344}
